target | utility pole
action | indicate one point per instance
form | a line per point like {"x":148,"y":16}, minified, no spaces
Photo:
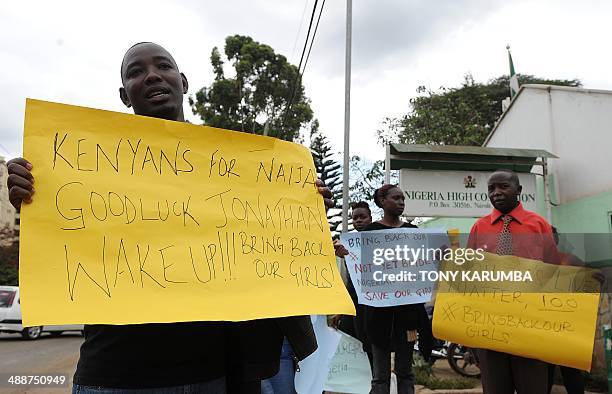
{"x":347,"y":115}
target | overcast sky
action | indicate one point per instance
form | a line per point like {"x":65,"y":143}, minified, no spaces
{"x":70,"y":51}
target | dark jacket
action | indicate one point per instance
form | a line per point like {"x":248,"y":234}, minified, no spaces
{"x":353,"y":325}
{"x":387,"y":326}
{"x":255,"y":345}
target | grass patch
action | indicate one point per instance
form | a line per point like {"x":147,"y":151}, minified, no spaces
{"x":424,"y":376}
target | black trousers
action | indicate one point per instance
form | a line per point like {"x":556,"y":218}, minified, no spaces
{"x":381,"y":369}
{"x":503,"y":373}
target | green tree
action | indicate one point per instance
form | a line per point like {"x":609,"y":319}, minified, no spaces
{"x":256,"y":99}
{"x":367,"y":176}
{"x":330,"y":172}
{"x":9,"y":258}
{"x":456,"y":116}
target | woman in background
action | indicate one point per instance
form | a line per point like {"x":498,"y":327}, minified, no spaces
{"x":394,"y":328}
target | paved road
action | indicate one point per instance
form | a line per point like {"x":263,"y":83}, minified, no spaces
{"x":49,"y":355}
{"x":45,"y":355}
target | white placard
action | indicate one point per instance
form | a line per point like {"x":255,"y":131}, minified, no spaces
{"x":455,"y":193}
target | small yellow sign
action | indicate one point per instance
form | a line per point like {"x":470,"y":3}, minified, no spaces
{"x":140,"y":220}
{"x":551,"y":317}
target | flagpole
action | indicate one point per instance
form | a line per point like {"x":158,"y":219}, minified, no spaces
{"x":510,"y":75}
{"x":347,"y":115}
{"x":513,"y":80}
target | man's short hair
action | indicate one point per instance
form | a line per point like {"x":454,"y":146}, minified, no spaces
{"x":142,"y":43}
{"x":513,"y":176}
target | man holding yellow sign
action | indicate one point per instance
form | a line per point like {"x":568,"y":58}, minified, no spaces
{"x":517,"y":324}
{"x":102,"y":247}
{"x":504,"y":372}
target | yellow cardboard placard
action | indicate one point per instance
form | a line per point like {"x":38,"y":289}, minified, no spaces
{"x":552,"y":318}
{"x":137,"y":220}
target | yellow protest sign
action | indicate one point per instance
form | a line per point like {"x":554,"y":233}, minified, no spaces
{"x":137,"y":219}
{"x":550,"y":318}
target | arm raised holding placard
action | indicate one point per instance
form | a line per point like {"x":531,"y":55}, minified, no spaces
{"x":194,"y":352}
{"x":20,"y":182}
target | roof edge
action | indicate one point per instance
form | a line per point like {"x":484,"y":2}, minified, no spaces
{"x":565,"y":88}
{"x":541,"y":87}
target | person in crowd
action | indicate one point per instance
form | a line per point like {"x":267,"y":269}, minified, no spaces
{"x":566,"y":258}
{"x":353,"y":326}
{"x":284,"y":381}
{"x":361,"y":215}
{"x":196,"y":357}
{"x":394,"y":329}
{"x":512,"y":230}
{"x":572,"y":377}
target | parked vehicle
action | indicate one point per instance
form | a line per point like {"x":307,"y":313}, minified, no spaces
{"x":10,"y":317}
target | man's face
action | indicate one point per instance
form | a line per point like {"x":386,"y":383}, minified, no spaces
{"x":361,"y":218}
{"x":152,"y":83}
{"x":503,"y":191}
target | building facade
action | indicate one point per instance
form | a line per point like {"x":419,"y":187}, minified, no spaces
{"x":8,"y":217}
{"x":575,"y":124}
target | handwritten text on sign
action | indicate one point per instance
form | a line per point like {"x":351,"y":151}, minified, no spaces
{"x":349,"y":369}
{"x":548,"y":319}
{"x":399,"y":276}
{"x":138,"y":219}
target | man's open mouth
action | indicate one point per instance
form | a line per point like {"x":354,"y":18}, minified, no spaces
{"x":156,"y":93}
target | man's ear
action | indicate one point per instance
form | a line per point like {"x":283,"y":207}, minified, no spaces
{"x":520,"y":189}
{"x":124,"y":97}
{"x":185,"y":83}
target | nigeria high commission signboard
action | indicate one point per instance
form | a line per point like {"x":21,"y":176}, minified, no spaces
{"x":455,"y":193}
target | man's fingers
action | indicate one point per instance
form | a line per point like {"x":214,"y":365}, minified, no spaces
{"x":16,"y":203}
{"x":17,"y":195}
{"x":19,"y":181}
{"x":20,"y":161}
{"x":325,"y":192}
{"x":20,"y":170}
